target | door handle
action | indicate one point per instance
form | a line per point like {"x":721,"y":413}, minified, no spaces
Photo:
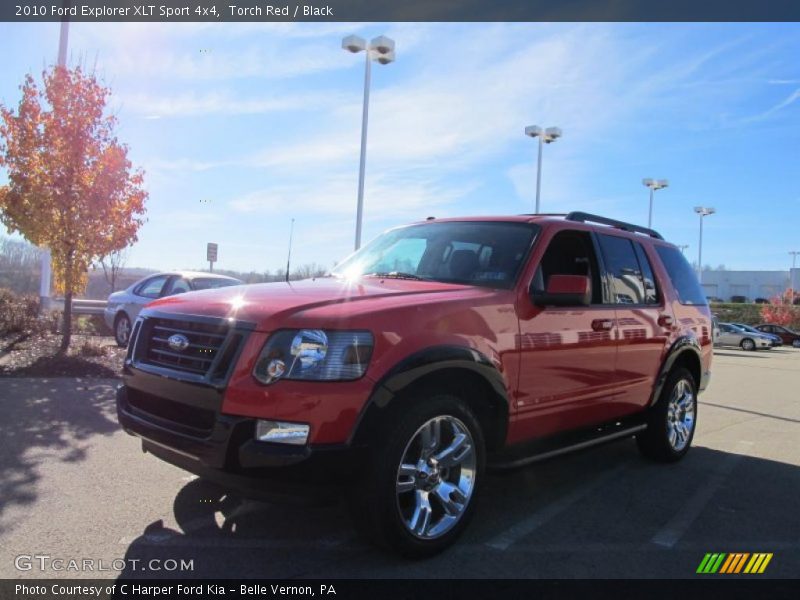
{"x":666,"y":321}
{"x":602,"y":324}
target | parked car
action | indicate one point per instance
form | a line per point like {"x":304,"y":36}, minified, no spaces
{"x":714,"y":299}
{"x":123,"y":307}
{"x":738,"y":299}
{"x":731,"y":335}
{"x":438,"y":348}
{"x":761,"y":300}
{"x":774,"y":339}
{"x":789,"y":336}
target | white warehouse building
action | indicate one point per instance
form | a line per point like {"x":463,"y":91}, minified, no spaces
{"x":750,"y":284}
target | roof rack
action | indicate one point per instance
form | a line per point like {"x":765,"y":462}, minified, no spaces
{"x":583,"y":217}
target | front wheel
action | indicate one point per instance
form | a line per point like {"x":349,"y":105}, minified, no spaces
{"x":671,"y":425}
{"x":424,"y":477}
{"x":122,"y":330}
{"x":748,"y":344}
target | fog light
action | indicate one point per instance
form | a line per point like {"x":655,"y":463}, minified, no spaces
{"x":281,"y":432}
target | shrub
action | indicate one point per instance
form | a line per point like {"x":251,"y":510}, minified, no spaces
{"x":18,"y":312}
{"x":90,"y":349}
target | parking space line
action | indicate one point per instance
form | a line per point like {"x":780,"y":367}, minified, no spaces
{"x":176,"y":540}
{"x":673,"y":531}
{"x":544,"y":514}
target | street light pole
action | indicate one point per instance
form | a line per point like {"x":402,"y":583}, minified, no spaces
{"x":794,"y":254}
{"x":683,"y":247}
{"x":45,"y":275}
{"x":381,"y":49}
{"x":703,"y":211}
{"x":653,"y":184}
{"x":546,"y":136}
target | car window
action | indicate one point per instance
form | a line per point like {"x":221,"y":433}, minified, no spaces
{"x":682,"y":276}
{"x":207,"y":283}
{"x":569,"y":253}
{"x":622,"y":265}
{"x":152,"y":287}
{"x":650,"y":287}
{"x":179,"y":286}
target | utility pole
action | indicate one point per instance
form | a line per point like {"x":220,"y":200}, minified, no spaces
{"x":289,"y":256}
{"x":794,"y":254}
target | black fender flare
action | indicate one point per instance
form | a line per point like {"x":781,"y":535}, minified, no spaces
{"x":677,"y":351}
{"x":424,"y":363}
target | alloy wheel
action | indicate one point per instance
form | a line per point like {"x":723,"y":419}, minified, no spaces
{"x":680,"y":415}
{"x":123,"y":330}
{"x":436,"y":477}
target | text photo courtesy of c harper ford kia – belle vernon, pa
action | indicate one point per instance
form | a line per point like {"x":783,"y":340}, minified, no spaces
{"x":368,"y":299}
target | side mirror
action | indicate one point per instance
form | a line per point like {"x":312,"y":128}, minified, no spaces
{"x":565,"y":290}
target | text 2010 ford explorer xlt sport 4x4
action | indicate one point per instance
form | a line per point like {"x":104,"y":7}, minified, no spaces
{"x":436,"y":349}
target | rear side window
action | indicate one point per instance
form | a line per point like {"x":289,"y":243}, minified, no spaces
{"x":682,"y":276}
{"x":622,"y":265}
{"x":650,"y":289}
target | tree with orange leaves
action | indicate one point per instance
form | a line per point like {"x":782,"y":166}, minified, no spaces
{"x":71,"y":187}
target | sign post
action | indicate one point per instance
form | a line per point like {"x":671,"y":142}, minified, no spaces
{"x":211,"y":255}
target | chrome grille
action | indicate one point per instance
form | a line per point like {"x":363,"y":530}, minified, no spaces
{"x":210,"y":344}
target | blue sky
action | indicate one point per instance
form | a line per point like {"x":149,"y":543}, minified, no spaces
{"x":241,"y":127}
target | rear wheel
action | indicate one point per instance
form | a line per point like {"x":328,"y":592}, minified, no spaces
{"x":796,"y":343}
{"x":122,"y":330}
{"x":748,"y":344}
{"x":671,"y":425}
{"x":424,"y":478}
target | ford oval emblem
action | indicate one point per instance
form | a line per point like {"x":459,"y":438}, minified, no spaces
{"x":178,"y":342}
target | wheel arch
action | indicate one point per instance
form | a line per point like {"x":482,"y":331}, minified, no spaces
{"x":686,"y":353}
{"x":463,"y":371}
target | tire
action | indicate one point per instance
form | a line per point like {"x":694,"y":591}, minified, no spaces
{"x":404,"y":509}
{"x":748,"y":344}
{"x":663,"y":441}
{"x":122,"y":330}
{"x":796,"y":343}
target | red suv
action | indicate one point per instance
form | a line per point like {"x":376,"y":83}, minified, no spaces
{"x":439,"y":349}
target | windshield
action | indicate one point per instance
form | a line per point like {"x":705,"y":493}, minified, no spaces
{"x":468,"y":252}
{"x":208,"y":283}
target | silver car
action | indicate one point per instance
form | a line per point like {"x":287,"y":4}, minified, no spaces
{"x":124,"y":306}
{"x":731,"y":335}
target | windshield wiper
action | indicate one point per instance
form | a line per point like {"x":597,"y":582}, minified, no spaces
{"x":395,"y":275}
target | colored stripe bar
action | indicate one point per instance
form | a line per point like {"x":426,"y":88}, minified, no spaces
{"x":741,"y":562}
{"x":727,"y":564}
{"x":765,"y":563}
{"x":703,"y":563}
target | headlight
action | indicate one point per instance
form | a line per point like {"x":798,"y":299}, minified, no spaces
{"x":314,"y":355}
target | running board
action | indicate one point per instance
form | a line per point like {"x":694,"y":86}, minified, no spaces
{"x":552,"y":449}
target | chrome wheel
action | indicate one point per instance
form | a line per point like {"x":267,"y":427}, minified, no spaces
{"x":680,"y":415}
{"x":436,"y":477}
{"x":123,"y":330}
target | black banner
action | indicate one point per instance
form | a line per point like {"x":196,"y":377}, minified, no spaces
{"x":390,"y":589}
{"x":399,"y":10}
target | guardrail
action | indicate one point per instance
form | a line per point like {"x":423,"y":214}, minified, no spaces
{"x":81,"y":306}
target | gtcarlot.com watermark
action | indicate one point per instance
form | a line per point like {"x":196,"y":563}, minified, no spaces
{"x":47,"y":563}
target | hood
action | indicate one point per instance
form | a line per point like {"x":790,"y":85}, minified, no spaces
{"x":268,"y":305}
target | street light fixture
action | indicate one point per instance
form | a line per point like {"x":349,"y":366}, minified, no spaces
{"x":654,"y":185}
{"x":703,"y":211}
{"x":380,"y":49}
{"x":546,"y":136}
{"x":794,"y":254}
{"x":683,"y":247}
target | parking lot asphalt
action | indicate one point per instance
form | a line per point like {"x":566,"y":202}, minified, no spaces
{"x":73,"y":486}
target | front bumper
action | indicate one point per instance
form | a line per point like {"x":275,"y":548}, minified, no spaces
{"x":222,"y":449}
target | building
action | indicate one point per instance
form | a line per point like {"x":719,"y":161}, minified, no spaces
{"x":750,"y":284}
